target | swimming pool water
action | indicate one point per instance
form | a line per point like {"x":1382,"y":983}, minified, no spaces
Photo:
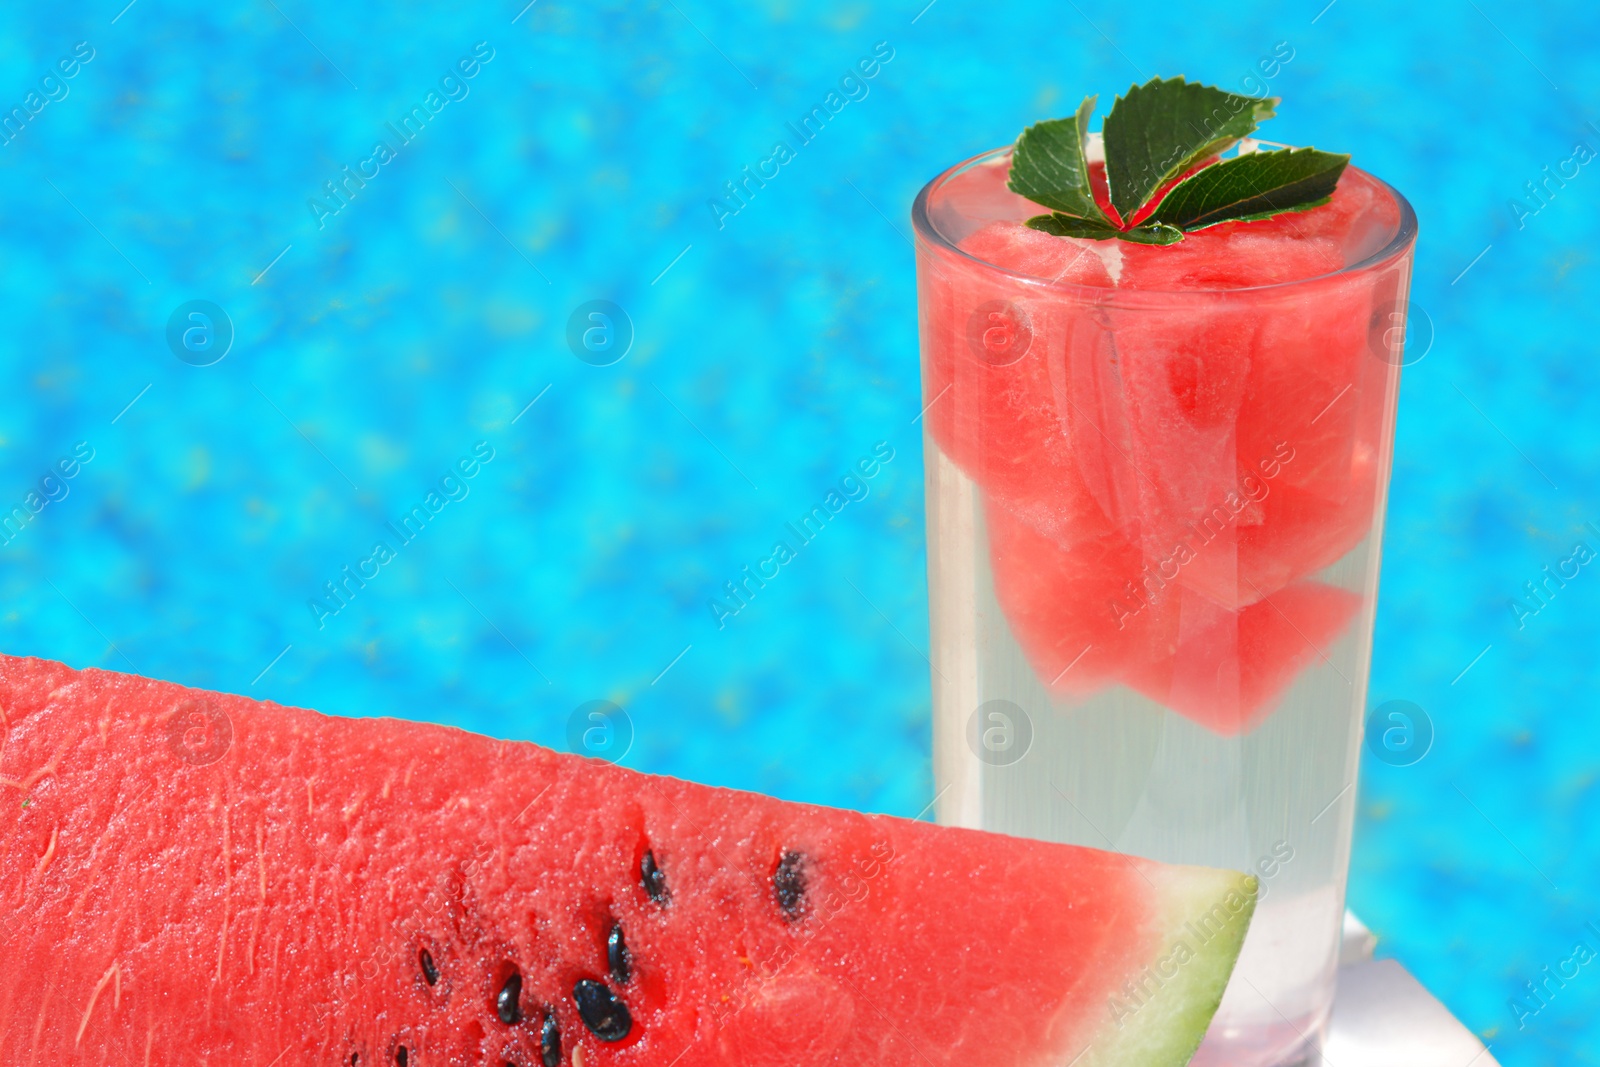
{"x":395,"y":311}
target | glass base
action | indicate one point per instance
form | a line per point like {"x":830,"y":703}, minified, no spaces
{"x":1296,"y":1044}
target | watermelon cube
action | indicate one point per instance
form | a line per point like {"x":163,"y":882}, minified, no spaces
{"x":1222,"y":399}
{"x":1102,"y":613}
{"x":993,"y":361}
{"x":1130,"y":411}
{"x":1229,"y":668}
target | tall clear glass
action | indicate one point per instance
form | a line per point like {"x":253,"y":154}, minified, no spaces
{"x":1155,"y":505}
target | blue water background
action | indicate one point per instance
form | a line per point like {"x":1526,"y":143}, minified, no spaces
{"x":773,"y":349}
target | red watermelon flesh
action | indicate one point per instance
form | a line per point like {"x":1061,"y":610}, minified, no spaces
{"x":1179,"y":405}
{"x":994,"y":346}
{"x":1102,"y":613}
{"x":1073,"y":608}
{"x":1312,"y":348}
{"x":191,"y":877}
{"x":1229,"y":669}
{"x":1170,"y":409}
{"x":1207,"y":395}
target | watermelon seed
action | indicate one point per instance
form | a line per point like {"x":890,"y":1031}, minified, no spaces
{"x":507,"y":1005}
{"x":789,"y":883}
{"x":605,"y":1016}
{"x":618,"y":956}
{"x":653,"y":878}
{"x":400,"y":1056}
{"x":550,"y":1040}
{"x":429,"y":971}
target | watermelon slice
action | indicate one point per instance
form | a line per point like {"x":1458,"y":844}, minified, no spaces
{"x":191,"y":878}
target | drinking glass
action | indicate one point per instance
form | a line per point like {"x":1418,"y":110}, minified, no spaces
{"x":1154,"y":521}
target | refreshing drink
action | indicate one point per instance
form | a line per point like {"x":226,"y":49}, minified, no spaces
{"x":1156,"y":467}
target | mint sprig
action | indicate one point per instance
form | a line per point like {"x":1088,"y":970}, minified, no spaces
{"x":1162,"y":128}
{"x":1154,"y":133}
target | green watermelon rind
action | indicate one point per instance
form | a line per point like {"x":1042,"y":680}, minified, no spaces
{"x":1177,"y":989}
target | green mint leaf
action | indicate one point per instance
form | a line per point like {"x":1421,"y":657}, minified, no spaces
{"x":1253,"y":186}
{"x":1162,"y":128}
{"x":1152,"y":233}
{"x":1048,"y":165}
{"x":1063,"y":225}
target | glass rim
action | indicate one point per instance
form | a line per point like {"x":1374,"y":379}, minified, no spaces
{"x":1405,"y":236}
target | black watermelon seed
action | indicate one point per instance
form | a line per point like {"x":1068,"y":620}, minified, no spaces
{"x":429,"y":971}
{"x":653,"y":878}
{"x":618,"y":956}
{"x":550,"y":1041}
{"x":400,"y":1056}
{"x":508,"y":1004}
{"x":789,"y":884}
{"x":605,"y":1016}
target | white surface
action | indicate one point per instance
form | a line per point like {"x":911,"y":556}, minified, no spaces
{"x":1358,"y":941}
{"x":1382,"y":1017}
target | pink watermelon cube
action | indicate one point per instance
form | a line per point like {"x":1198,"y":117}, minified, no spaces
{"x":1176,"y":417}
{"x":1100,"y":613}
